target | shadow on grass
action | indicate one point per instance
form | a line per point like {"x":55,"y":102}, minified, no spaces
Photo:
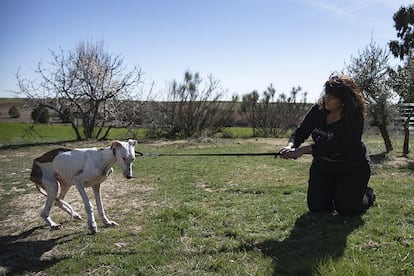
{"x":378,"y":158}
{"x":382,"y":158}
{"x":314,"y":240}
{"x":410,"y":165}
{"x":19,"y":256}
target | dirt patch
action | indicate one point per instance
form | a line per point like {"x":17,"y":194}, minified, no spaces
{"x":392,"y":161}
{"x":202,"y":184}
{"x":116,"y":192}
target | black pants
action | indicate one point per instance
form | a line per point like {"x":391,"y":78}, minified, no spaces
{"x":338,"y":188}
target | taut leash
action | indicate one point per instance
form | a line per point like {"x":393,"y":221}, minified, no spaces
{"x":209,"y":154}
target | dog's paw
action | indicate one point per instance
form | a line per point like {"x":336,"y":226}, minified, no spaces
{"x":56,"y":226}
{"x":110,"y":223}
{"x":93,"y":227}
{"x":77,"y":217}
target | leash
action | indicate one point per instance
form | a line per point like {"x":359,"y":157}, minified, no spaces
{"x":275,"y":154}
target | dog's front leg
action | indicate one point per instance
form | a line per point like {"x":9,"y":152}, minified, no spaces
{"x":97,"y":192}
{"x":88,"y":207}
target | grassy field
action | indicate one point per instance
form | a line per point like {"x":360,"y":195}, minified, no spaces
{"x":12,"y":133}
{"x":209,"y":216}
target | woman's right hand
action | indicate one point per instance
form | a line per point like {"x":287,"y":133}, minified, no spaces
{"x":284,"y":150}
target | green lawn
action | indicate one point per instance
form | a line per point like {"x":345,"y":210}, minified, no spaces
{"x":209,"y":216}
{"x":18,"y":133}
{"x":23,"y":133}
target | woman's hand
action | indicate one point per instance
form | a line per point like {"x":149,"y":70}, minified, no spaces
{"x":286,"y":149}
{"x":291,"y":153}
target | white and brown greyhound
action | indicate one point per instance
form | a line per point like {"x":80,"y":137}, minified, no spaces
{"x":57,"y":170}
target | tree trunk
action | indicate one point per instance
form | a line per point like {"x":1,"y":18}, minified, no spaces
{"x":87,"y":131}
{"x":76,"y":130}
{"x":406,"y":144}
{"x":385,"y":135}
{"x":108,"y":129}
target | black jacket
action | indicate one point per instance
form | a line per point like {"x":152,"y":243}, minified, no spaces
{"x":338,"y":142}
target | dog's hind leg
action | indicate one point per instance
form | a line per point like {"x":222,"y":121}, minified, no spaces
{"x":64,"y":188}
{"x":52,"y":188}
{"x":67,"y":208}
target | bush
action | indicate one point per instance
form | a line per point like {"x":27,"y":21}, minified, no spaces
{"x":273,"y":117}
{"x":40,"y":115}
{"x":14,"y":112}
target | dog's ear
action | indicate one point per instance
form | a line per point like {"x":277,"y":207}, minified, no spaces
{"x":115,"y":144}
{"x":132,"y":142}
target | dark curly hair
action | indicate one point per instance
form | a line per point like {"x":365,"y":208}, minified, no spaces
{"x":353,"y":103}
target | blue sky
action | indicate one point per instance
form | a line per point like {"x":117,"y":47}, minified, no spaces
{"x":247,"y":45}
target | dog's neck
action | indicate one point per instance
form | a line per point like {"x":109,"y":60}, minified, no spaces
{"x":108,"y":158}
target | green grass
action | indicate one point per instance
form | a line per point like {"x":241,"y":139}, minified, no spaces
{"x":238,"y":132}
{"x":20,"y":133}
{"x":209,"y":215}
{"x":23,"y":133}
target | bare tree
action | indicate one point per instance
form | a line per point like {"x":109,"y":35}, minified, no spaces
{"x":250,"y":108}
{"x":370,"y":70}
{"x":89,"y":82}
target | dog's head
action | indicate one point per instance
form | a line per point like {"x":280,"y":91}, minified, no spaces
{"x":125,"y":155}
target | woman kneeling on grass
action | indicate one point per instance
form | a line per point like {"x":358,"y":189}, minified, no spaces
{"x":340,"y":170}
